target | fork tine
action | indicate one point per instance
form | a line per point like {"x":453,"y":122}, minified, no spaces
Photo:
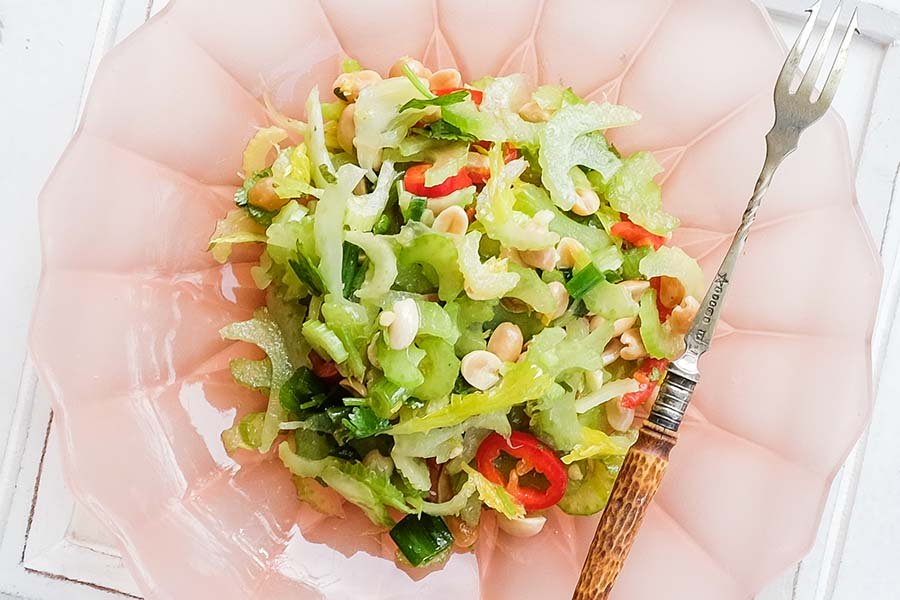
{"x":840,"y":61}
{"x":815,"y":66}
{"x":796,"y":54}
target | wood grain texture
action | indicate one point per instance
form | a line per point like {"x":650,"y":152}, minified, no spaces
{"x":637,"y":483}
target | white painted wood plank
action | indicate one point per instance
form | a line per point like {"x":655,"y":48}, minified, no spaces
{"x":868,"y":567}
{"x":65,"y":540}
{"x":43,"y":56}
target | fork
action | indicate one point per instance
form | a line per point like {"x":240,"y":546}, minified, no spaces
{"x":645,"y":464}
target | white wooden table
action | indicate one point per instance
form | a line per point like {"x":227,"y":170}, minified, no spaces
{"x":51,"y":549}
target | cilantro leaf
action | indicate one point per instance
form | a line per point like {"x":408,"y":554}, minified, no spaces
{"x":307,"y":272}
{"x":260,"y":215}
{"x":445,"y":100}
{"x":442,"y":130}
{"x":362,"y":422}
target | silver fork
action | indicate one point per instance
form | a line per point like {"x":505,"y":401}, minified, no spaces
{"x":646,"y":462}
{"x":794,"y":113}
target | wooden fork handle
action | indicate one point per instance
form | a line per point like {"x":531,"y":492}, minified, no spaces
{"x":637,"y":483}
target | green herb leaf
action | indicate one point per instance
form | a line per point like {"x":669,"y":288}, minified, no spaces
{"x":583,"y":281}
{"x":362,"y":422}
{"x":307,"y":272}
{"x":302,"y":392}
{"x":442,"y":130}
{"x":416,"y":208}
{"x":445,"y":100}
{"x":242,"y":199}
{"x":422,"y":538}
{"x":350,"y":270}
{"x":261,"y":215}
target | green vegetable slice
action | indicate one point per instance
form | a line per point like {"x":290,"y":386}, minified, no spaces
{"x":263,"y":332}
{"x":632,"y":191}
{"x":563,"y":147}
{"x":523,"y":382}
{"x":370,"y":490}
{"x":673,"y":262}
{"x":422,"y":539}
{"x":659,"y":339}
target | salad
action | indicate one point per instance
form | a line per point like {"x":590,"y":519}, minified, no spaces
{"x":469,"y":297}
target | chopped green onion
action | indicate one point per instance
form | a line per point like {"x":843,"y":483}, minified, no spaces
{"x":416,"y":208}
{"x":353,"y":272}
{"x":307,"y":272}
{"x":583,"y":281}
{"x":359,"y":278}
{"x":354,"y":401}
{"x":422,"y":538}
{"x":445,"y":100}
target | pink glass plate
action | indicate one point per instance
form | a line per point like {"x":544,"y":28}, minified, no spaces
{"x":130,"y":304}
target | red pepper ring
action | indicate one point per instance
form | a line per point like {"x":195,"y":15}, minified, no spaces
{"x":535,"y":455}
{"x":636,"y":235}
{"x":414,"y":182}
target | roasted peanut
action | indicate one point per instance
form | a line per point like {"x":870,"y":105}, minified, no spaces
{"x":544,"y":260}
{"x":635,"y":287}
{"x":348,"y":85}
{"x":569,"y":250}
{"x":683,"y":315}
{"x":619,"y":418}
{"x":414,"y":65}
{"x":531,"y":111}
{"x":671,"y":291}
{"x":506,"y":342}
{"x":346,"y":129}
{"x":404,"y":325}
{"x":452,"y":219}
{"x":588,"y":202}
{"x":633,"y":345}
{"x":481,"y":369}
{"x":561,"y":295}
{"x":264,"y":195}
{"x":445,"y":79}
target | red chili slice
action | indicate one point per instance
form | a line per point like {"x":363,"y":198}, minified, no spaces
{"x":480,"y":175}
{"x":534,"y":455}
{"x":414,"y":182}
{"x":648,"y":375}
{"x":636,"y":235}
{"x":476,"y":95}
